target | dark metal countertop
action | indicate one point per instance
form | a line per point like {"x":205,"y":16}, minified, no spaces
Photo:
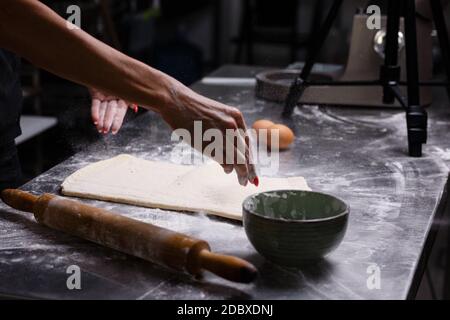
{"x":356,"y":154}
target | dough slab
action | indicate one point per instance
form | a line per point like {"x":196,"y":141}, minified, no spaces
{"x":153,"y":184}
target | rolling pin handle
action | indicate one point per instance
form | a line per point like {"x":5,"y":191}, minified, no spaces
{"x":19,"y":199}
{"x":228,"y":267}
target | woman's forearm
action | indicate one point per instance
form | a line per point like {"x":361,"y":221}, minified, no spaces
{"x":35,"y":32}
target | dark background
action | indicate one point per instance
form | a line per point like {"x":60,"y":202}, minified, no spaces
{"x":186,"y":39}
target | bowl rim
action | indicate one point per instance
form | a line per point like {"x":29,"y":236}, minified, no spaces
{"x":346,"y":210}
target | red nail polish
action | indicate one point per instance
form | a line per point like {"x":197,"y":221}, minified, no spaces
{"x":256,"y":181}
{"x":135,"y":107}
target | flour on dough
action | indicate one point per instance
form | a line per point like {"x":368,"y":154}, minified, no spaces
{"x":130,"y":180}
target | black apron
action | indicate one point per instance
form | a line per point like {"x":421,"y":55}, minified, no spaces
{"x":10,"y":109}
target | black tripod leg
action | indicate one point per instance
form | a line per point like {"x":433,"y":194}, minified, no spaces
{"x":416,"y":116}
{"x":441,"y":29}
{"x":298,"y":85}
{"x":390,"y":71}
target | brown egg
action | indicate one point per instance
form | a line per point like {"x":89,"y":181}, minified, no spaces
{"x":286,"y":136}
{"x":262,"y":124}
{"x":262,"y":130}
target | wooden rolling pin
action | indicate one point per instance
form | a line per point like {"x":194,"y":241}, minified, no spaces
{"x":143,"y":240}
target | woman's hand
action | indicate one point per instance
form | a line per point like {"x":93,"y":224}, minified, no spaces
{"x":89,"y":62}
{"x":108,"y":111}
{"x":186,"y":107}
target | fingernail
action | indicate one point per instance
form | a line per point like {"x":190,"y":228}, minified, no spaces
{"x":95,"y":122}
{"x":135,"y":107}
{"x":256,"y":181}
{"x":243,"y":181}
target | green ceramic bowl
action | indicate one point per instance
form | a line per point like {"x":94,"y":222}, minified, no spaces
{"x":291,"y":227}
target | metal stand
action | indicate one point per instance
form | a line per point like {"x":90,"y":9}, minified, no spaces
{"x":416,"y":116}
{"x":441,"y":28}
{"x":299,"y":84}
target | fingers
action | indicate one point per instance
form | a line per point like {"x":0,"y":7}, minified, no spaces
{"x":231,"y":155}
{"x":107,"y":111}
{"x":101,"y":115}
{"x":252,"y":175}
{"x":241,"y":161}
{"x":111,"y":110}
{"x":95,"y":107}
{"x":228,"y":168}
{"x":244,"y":146}
{"x":108,"y":115}
{"x":234,"y":154}
{"x":120,"y":115}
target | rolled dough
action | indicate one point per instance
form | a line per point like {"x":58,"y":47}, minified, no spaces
{"x":130,"y":180}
